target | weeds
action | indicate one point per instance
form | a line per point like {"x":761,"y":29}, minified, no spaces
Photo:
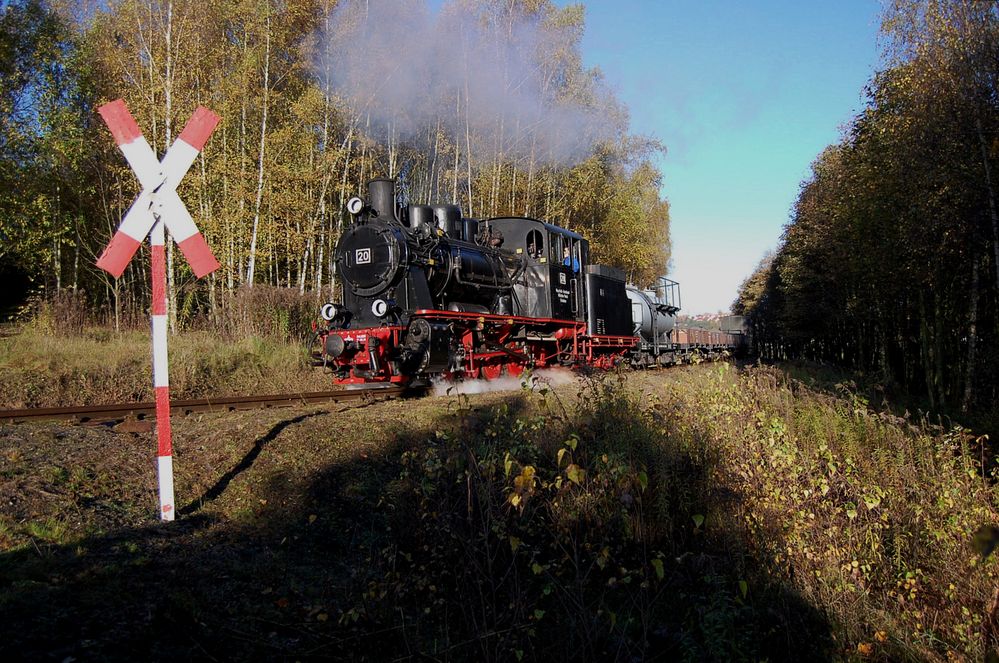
{"x":706,"y":513}
{"x":254,"y":340}
{"x":726,"y":516}
{"x":583,"y":527}
{"x":875,"y":519}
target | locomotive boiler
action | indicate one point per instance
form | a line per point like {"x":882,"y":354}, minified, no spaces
{"x":396,"y":260}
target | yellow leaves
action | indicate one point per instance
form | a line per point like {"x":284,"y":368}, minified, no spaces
{"x":575,"y":473}
{"x":523,"y":486}
{"x":603,"y":557}
{"x":865,"y":649}
{"x":525,"y":482}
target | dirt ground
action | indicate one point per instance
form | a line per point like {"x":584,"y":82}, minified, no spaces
{"x":278,"y":510}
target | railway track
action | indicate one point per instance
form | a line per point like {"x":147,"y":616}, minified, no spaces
{"x":147,"y":410}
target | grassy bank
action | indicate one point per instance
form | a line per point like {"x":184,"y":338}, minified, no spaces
{"x":706,"y":513}
{"x":41,"y":367}
{"x":869,"y":517}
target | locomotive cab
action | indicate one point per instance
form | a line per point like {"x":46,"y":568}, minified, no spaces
{"x":551,"y":286}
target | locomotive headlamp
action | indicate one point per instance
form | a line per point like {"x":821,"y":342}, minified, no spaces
{"x":355,"y":205}
{"x":335,"y":314}
{"x":332,"y":311}
{"x":379,"y":307}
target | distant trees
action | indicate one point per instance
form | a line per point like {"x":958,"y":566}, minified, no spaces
{"x":41,"y":186}
{"x":891,"y":261}
{"x":270,"y":187}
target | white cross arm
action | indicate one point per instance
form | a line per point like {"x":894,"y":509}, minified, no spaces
{"x":159,"y":197}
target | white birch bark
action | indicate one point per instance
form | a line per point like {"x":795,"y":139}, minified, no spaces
{"x":252,"y":259}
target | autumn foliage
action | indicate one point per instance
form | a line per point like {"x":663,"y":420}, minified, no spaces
{"x":307,"y":118}
{"x":890,"y":264}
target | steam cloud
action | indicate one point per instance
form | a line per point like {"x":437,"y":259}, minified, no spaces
{"x":408,"y":72}
{"x":549,"y":377}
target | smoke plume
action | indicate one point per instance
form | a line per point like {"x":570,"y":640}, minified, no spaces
{"x":510,"y":86}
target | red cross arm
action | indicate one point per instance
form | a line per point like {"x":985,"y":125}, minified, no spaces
{"x":178,"y":160}
{"x":140,"y":157}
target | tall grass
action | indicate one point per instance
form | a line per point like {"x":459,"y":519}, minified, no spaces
{"x":98,"y":366}
{"x":253,"y":341}
{"x":282,"y":314}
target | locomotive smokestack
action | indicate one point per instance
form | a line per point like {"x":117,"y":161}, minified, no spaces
{"x":381,"y":197}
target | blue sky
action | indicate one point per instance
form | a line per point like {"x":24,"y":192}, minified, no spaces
{"x":745,"y":95}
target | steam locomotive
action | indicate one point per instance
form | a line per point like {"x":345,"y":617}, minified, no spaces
{"x":428,"y":292}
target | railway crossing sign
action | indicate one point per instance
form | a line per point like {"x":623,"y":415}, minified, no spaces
{"x":158,"y":205}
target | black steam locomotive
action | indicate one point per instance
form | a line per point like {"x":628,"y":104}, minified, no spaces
{"x":427,"y":292}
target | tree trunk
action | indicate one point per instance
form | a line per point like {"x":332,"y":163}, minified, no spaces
{"x":76,"y":253}
{"x":168,"y":139}
{"x":468,"y":151}
{"x":969,"y":376}
{"x":927,"y":352}
{"x":252,"y":260}
{"x":457,"y":152}
{"x":993,"y":214}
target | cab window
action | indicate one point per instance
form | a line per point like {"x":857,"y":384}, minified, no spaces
{"x":556,"y":249}
{"x":535,"y":244}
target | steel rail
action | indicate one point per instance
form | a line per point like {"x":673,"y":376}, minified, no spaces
{"x":147,"y":410}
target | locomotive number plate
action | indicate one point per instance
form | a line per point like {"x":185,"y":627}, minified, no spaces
{"x":362,"y":256}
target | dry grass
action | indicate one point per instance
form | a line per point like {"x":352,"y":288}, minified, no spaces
{"x":39,"y":369}
{"x":253,"y":341}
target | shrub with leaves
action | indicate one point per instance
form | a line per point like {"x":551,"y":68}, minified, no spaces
{"x":534,"y":529}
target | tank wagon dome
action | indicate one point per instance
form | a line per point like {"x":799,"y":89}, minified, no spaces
{"x":653,"y":318}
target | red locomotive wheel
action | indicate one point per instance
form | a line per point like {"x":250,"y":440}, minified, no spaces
{"x":515,"y":370}
{"x":492,"y":371}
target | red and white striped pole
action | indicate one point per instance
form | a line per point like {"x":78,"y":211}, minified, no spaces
{"x":161,"y":372}
{"x":157,"y":208}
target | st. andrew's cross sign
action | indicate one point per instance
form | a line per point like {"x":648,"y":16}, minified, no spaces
{"x":158,"y":205}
